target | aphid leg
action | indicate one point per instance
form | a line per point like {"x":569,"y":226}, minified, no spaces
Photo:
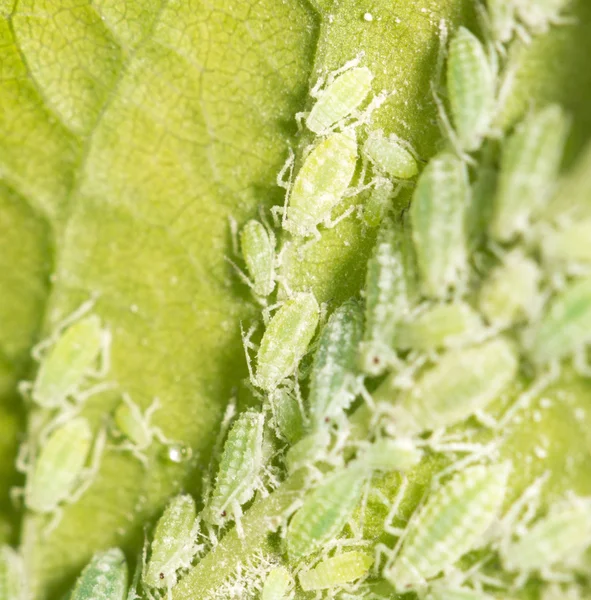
{"x":298,"y":396}
{"x":246,"y":344}
{"x":365,"y":395}
{"x":330,"y":223}
{"x":241,"y":274}
{"x":286,"y":185}
{"x":485,"y":419}
{"x":237,"y":512}
{"x":23,"y":458}
{"x":523,"y":510}
{"x":483,"y":451}
{"x":89,"y":473}
{"x":389,"y":520}
{"x":56,"y":517}
{"x":104,"y":386}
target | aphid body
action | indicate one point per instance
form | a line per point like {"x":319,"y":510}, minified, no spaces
{"x":439,"y":326}
{"x":286,"y":340}
{"x":471,"y":88}
{"x":324,"y":513}
{"x":333,"y":377}
{"x":289,"y":421}
{"x":390,"y":156}
{"x":174,"y":543}
{"x":558,"y":539}
{"x":321,"y":184}
{"x":529,"y":166}
{"x":104,"y":578}
{"x":387,"y":297}
{"x":330,"y":505}
{"x":462,"y":383}
{"x":337,"y":570}
{"x":451,"y":523}
{"x":239,"y":469}
{"x":71,"y":358}
{"x":510,"y":293}
{"x":278,"y":585}
{"x":137,"y":427}
{"x":12,"y":575}
{"x":438,"y":213}
{"x":339,"y":99}
{"x":59,"y":467}
{"x":564,"y":328}
{"x":379,"y":202}
{"x":257,"y":244}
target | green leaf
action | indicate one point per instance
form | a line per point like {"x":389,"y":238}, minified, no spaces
{"x":130,"y":130}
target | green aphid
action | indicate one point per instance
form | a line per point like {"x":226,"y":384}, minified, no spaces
{"x":390,"y":156}
{"x":379,"y":203}
{"x":438,"y":215}
{"x":278,"y":585}
{"x":511,"y":292}
{"x":529,"y":168}
{"x":330,"y":505}
{"x":174,"y":543}
{"x":440,"y":326}
{"x":388,"y":297}
{"x":13,"y":582}
{"x":72,"y":357}
{"x":325,"y":511}
{"x":239,"y":470}
{"x":257,"y":245}
{"x":58,"y":474}
{"x":137,"y":427}
{"x":334,"y":376}
{"x":320,"y":184}
{"x":335,"y":571}
{"x":452,"y":522}
{"x":557,"y":540}
{"x":286,"y":340}
{"x":287,"y":413}
{"x":341,"y":96}
{"x":564,"y":328}
{"x":471,"y":89}
{"x":104,"y":578}
{"x":461,"y":384}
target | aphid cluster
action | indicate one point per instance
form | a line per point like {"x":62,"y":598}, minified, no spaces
{"x":479,"y":281}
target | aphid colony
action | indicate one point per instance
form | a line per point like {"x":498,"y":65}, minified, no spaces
{"x":470,"y":287}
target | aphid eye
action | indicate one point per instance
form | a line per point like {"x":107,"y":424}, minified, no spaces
{"x":161,"y":575}
{"x":224,"y":513}
{"x":327,"y":419}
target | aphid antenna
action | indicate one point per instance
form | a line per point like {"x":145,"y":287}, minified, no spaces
{"x":481,"y":454}
{"x":85,"y":307}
